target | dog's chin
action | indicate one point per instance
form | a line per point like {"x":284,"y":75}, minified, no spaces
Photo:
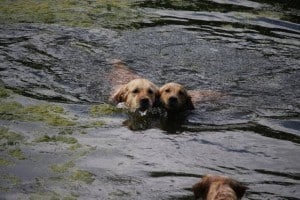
{"x":143,"y":110}
{"x":174,"y":107}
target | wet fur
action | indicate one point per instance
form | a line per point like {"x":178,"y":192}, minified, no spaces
{"x":174,"y":97}
{"x":214,"y":187}
{"x":130,"y":88}
{"x":121,"y":75}
{"x":135,"y":93}
{"x":185,"y":98}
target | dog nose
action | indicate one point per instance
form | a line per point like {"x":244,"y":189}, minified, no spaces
{"x":173,"y":99}
{"x":144,"y":103}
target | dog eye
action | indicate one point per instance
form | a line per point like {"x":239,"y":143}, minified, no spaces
{"x":135,"y":91}
{"x":181,"y":93}
{"x":150,"y":91}
{"x":167,"y":90}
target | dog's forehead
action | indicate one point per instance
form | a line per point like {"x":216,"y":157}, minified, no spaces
{"x":140,"y":84}
{"x":174,"y":86}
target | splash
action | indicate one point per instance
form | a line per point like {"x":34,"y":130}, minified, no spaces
{"x":143,"y":113}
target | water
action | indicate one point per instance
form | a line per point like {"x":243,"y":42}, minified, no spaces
{"x":248,"y":50}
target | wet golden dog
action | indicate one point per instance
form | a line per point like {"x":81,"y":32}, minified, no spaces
{"x":214,"y":187}
{"x":139,"y":94}
{"x":174,"y":97}
{"x":129,"y":88}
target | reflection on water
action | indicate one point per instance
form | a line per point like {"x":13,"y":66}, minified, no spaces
{"x":248,"y":50}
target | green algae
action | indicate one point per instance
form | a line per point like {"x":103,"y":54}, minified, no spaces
{"x":83,"y":175}
{"x":10,"y":110}
{"x":17,"y":153}
{"x":95,"y":13}
{"x":103,"y":109}
{"x":45,"y":196}
{"x":8,"y":137}
{"x":59,"y":138}
{"x":61,"y":168}
{"x":98,"y":123}
{"x":119,"y":193}
{"x":86,"y":151}
{"x":75,"y":147}
{"x":69,"y":198}
{"x":4,"y":92}
{"x":51,"y":114}
{"x":4,"y":162}
{"x":9,"y":181}
{"x":93,"y":124}
{"x":67,"y":131}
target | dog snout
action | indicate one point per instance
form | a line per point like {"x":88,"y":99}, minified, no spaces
{"x":144,"y":104}
{"x":173,"y":100}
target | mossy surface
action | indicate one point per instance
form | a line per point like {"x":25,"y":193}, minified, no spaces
{"x":45,"y":196}
{"x":17,"y":153}
{"x":75,"y":147}
{"x":4,"y":162}
{"x":52,"y":114}
{"x":103,"y":109}
{"x":67,"y":131}
{"x":93,"y":124}
{"x":9,"y":138}
{"x":9,"y":181}
{"x":59,"y":138}
{"x":84,"y":176}
{"x":10,"y":110}
{"x":98,"y":123}
{"x":4,"y":92}
{"x":69,"y":198}
{"x":61,"y":168}
{"x":105,"y":13}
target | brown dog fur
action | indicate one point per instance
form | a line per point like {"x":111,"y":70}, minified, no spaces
{"x":121,"y":75}
{"x":138,"y":94}
{"x":174,"y":97}
{"x":214,"y":187}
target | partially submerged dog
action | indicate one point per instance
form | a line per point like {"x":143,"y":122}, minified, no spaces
{"x":137,"y":95}
{"x":175,"y":98}
{"x":131,"y":90}
{"x":215,"y":187}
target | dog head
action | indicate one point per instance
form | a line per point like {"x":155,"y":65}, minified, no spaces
{"x":218,"y":187}
{"x":138,"y":94}
{"x":174,"y":97}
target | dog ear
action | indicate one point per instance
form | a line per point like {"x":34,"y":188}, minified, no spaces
{"x":189,"y":103}
{"x":120,"y":94}
{"x":201,"y":188}
{"x":238,"y":188}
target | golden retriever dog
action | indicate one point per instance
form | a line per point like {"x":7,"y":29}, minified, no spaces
{"x":139,"y":94}
{"x":214,"y":187}
{"x":129,"y":88}
{"x":174,"y":97}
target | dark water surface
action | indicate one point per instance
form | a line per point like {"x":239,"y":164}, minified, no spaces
{"x":249,"y":50}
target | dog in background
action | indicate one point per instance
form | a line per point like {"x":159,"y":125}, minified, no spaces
{"x":214,"y":187}
{"x":175,"y":98}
